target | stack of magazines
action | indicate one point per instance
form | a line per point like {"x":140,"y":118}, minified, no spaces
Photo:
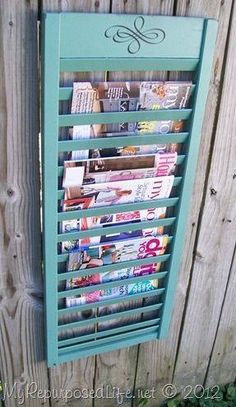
{"x":105,"y":177}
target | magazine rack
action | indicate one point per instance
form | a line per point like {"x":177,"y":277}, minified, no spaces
{"x":74,"y":42}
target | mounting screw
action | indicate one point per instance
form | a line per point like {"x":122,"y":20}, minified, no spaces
{"x":213,"y":191}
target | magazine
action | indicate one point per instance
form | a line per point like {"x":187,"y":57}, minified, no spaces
{"x":114,"y":253}
{"x":104,"y":97}
{"x":127,"y":96}
{"x":70,"y":246}
{"x":89,"y":172}
{"x":121,"y":290}
{"x":121,"y":192}
{"x":164,"y":95}
{"x":165,"y":165}
{"x":141,"y":150}
{"x":102,"y":177}
{"x":149,"y":188}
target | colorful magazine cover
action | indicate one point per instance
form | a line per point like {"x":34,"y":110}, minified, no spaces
{"x":126,"y":96}
{"x":82,"y":172}
{"x":140,"y":190}
{"x":70,"y":246}
{"x":122,"y":192}
{"x":107,"y":167}
{"x":104,"y":97}
{"x":141,"y":150}
{"x":165,"y":166}
{"x":114,"y":253}
{"x":164,"y":95}
{"x":114,"y":292}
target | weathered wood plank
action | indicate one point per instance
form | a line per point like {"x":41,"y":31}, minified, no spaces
{"x":1,"y":392}
{"x":118,"y":369}
{"x":222,"y":365}
{"x":222,"y":368}
{"x":215,"y":245}
{"x":81,"y":6}
{"x":21,"y":334}
{"x":154,"y":7}
{"x":157,"y":360}
{"x":21,"y":341}
{"x":78,"y":374}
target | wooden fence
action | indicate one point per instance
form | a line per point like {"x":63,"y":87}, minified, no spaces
{"x":201,"y":347}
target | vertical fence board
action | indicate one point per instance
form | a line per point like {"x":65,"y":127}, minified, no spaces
{"x":21,"y":334}
{"x":1,"y":394}
{"x":118,"y":369}
{"x":215,"y":244}
{"x":222,"y":368}
{"x":77,"y":375}
{"x":157,"y":360}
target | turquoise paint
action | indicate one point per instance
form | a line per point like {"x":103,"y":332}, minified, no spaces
{"x":50,"y":94}
{"x":89,"y":42}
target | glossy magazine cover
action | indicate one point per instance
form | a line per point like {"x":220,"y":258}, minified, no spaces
{"x":100,"y":255}
{"x":126,"y":96}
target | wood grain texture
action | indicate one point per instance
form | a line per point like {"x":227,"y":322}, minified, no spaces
{"x":215,"y":246}
{"x":21,"y":334}
{"x":79,"y":374}
{"x":21,"y":358}
{"x":81,"y":6}
{"x":157,"y":360}
{"x":118,"y":368}
{"x":153,"y":7}
{"x":222,"y":367}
